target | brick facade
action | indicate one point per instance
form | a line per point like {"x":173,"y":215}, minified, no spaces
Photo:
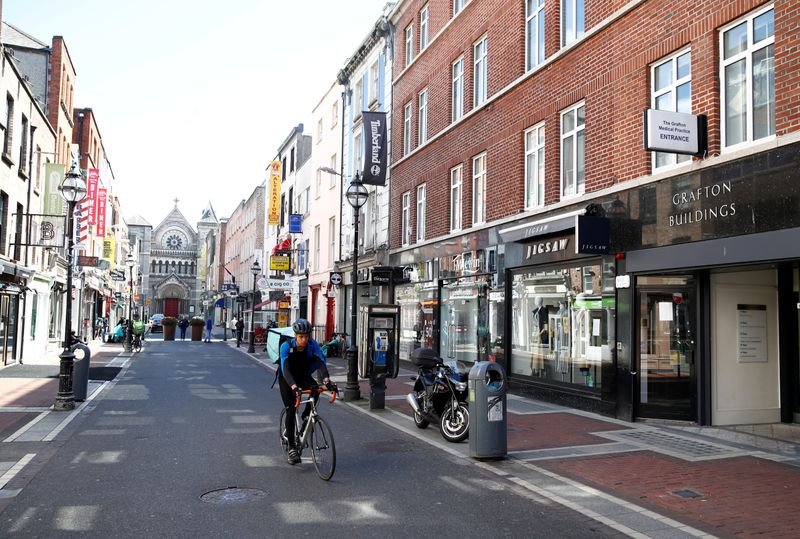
{"x":608,"y":69}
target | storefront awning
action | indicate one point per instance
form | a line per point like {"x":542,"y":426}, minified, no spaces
{"x":551,"y":225}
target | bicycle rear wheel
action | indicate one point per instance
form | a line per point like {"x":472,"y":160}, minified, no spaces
{"x":138,"y":345}
{"x":323,"y":450}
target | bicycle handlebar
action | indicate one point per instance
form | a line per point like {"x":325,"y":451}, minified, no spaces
{"x":318,"y":390}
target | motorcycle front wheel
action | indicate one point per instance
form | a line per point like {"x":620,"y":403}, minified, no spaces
{"x":454,"y":423}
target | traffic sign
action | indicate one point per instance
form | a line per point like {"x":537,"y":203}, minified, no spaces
{"x":335,"y":278}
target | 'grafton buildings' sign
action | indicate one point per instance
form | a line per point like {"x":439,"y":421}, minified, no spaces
{"x":713,"y":202}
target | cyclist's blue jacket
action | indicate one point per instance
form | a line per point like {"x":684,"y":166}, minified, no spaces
{"x":300,"y":365}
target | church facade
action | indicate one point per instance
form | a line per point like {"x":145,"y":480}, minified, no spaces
{"x":171,"y":280}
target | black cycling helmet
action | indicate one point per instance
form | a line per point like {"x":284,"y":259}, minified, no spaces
{"x":302,"y":326}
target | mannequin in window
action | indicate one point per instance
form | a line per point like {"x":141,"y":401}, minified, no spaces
{"x":539,"y":322}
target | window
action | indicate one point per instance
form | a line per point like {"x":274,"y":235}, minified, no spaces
{"x":534,"y":33}
{"x":331,"y":241}
{"x":319,"y":131}
{"x":291,"y":160}
{"x":18,"y":217}
{"x":481,"y":71}
{"x":572,"y":151}
{"x":315,"y":263}
{"x":407,"y":129}
{"x":571,"y":21}
{"x":38,"y":182}
{"x":334,"y":113}
{"x":423,"y":28}
{"x":457,"y":106}
{"x":7,"y":141}
{"x":534,"y":166}
{"x":358,"y":98}
{"x":409,"y":44}
{"x":748,"y":79}
{"x":333,"y":167}
{"x":358,"y":151}
{"x":318,"y":184}
{"x":455,"y":198}
{"x":479,"y":189}
{"x":23,"y":147}
{"x":458,"y":5}
{"x":405,"y":221}
{"x":370,"y":215}
{"x":3,"y":221}
{"x":374,"y":76}
{"x":421,"y":196}
{"x":671,"y":88}
{"x":423,"y":116}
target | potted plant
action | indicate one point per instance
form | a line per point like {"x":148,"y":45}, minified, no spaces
{"x":197,"y":324}
{"x":169,"y":323}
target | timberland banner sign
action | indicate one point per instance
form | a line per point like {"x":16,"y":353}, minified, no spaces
{"x":274,"y":207}
{"x":674,"y":132}
{"x":374,"y":136}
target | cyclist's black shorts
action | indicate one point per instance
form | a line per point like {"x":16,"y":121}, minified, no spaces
{"x":287,"y":395}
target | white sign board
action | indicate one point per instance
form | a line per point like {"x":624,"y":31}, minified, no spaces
{"x":752,"y":326}
{"x":279,"y":284}
{"x":673,"y":132}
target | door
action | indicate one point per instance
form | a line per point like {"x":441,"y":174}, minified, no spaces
{"x":171,"y":307}
{"x":666,"y":347}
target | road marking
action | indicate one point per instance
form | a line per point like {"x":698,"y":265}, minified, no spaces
{"x":25,"y":428}
{"x":15,"y":469}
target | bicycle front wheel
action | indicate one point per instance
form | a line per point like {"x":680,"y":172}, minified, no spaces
{"x":323,"y":450}
{"x":282,"y":433}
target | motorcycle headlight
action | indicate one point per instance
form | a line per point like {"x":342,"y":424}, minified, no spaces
{"x":461,"y":386}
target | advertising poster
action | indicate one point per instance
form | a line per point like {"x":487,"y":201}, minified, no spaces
{"x":102,"y":195}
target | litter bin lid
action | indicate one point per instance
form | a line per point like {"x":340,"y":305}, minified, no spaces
{"x":488,"y":372}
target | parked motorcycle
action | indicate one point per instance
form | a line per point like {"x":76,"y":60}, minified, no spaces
{"x":440,"y":394}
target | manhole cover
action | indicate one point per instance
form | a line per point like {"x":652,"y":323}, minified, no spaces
{"x":687,"y":493}
{"x":224,"y":496}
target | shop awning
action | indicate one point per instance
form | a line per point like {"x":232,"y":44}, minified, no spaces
{"x":551,"y":225}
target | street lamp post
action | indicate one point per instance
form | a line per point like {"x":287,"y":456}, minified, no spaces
{"x":255,"y":269}
{"x":130,"y":262}
{"x":73,"y":189}
{"x":356,"y":196}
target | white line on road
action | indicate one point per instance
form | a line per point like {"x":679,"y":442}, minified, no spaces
{"x":15,"y":469}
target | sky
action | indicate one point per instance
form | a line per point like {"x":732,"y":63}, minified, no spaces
{"x":193,"y":97}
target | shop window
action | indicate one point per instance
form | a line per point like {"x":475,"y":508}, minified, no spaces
{"x":534,"y":167}
{"x":418,"y":306}
{"x":534,"y":33}
{"x":748,"y":79}
{"x":572,"y":151}
{"x":563,"y":323}
{"x":671,"y":89}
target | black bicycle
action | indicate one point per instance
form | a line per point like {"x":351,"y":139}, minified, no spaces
{"x":315,"y":433}
{"x":136,"y":343}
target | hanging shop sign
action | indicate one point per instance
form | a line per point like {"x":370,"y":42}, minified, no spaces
{"x":274,"y":208}
{"x":592,"y":235}
{"x":335,"y":278}
{"x":90,"y":261}
{"x":375,"y":162}
{"x":295,"y":223}
{"x":675,"y":132}
{"x":279,"y":263}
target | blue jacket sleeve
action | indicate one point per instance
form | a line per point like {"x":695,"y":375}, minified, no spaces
{"x":287,"y":375}
{"x":319,"y":359}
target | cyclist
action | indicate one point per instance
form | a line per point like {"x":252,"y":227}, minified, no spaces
{"x":299,"y":359}
{"x":138,"y":328}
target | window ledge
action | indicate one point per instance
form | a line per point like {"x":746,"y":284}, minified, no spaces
{"x":23,"y":174}
{"x":7,"y":159}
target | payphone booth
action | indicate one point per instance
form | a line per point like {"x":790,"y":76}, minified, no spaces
{"x":378,"y":348}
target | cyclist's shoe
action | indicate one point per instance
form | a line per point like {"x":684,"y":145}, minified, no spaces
{"x":293,"y":457}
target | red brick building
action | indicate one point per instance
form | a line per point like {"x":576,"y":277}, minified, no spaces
{"x":513,"y":118}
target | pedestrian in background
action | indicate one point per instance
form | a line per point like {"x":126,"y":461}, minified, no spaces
{"x":209,"y":325}
{"x":183,"y":324}
{"x":239,"y":331}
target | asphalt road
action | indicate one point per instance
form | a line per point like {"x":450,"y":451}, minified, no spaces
{"x":189,"y":418}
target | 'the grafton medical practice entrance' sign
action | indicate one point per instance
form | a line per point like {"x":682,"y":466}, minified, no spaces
{"x":675,"y":132}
